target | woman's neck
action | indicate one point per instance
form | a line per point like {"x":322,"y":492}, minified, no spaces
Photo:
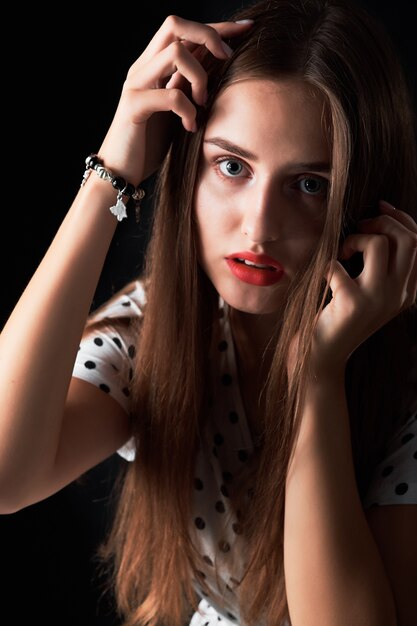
{"x":254,"y":338}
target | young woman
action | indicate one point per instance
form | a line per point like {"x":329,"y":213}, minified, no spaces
{"x":260,"y":375}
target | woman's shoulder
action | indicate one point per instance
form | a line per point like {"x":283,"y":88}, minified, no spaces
{"x":395,"y":478}
{"x":128,"y":303}
{"x":109,"y":343}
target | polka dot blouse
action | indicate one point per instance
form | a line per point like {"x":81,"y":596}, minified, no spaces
{"x":105,"y":359}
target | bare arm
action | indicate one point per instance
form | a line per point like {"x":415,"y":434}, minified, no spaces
{"x":334,"y":570}
{"x":48,"y":437}
{"x":40,"y":340}
{"x":334,"y":573}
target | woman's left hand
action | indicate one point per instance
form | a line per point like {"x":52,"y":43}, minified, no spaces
{"x":386,"y":286}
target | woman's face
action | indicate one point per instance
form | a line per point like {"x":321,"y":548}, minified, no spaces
{"x":260,"y":199}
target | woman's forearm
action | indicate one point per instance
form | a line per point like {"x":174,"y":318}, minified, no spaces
{"x":40,"y":340}
{"x":333,"y":571}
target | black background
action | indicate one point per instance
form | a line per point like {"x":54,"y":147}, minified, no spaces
{"x":61,"y":81}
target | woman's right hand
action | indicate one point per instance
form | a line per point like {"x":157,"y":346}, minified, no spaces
{"x":157,"y":82}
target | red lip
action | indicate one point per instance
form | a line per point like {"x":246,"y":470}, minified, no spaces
{"x":260,"y":276}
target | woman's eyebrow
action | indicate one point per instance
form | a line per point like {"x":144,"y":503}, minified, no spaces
{"x":228,"y":146}
{"x":316,"y":166}
{"x":231,"y":147}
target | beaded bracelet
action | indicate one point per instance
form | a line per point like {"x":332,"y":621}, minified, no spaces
{"x":124,"y":188}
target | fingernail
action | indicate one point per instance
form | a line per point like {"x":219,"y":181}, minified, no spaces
{"x":227,"y":49}
{"x":244,"y":21}
{"x":386,"y":205}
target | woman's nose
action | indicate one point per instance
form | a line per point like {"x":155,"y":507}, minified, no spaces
{"x":262,"y":216}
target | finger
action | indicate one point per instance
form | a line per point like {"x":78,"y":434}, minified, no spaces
{"x":177,"y":81}
{"x":376,"y":256}
{"x":403,"y":218}
{"x":403,"y":241}
{"x":174,"y":58}
{"x":337,"y":277}
{"x":176,"y":28}
{"x":225,"y":29}
{"x":406,"y":254}
{"x":230,"y":29}
{"x":156,"y":100}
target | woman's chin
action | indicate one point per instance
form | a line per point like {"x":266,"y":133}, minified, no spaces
{"x":254,"y":303}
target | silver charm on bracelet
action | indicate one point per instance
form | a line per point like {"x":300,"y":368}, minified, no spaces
{"x":119,"y":209}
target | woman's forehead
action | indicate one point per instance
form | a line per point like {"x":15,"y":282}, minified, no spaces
{"x":260,"y":113}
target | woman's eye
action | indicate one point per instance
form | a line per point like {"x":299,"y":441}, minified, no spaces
{"x":312,"y":186}
{"x":230,"y":167}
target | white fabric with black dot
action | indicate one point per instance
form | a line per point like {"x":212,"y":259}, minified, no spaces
{"x":105,"y":359}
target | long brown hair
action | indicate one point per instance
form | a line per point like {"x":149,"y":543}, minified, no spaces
{"x":338,"y":50}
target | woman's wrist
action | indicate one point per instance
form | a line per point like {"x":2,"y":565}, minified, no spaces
{"x":323,"y":409}
{"x":322,"y":375}
{"x":124,"y":189}
{"x":326,"y":366}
